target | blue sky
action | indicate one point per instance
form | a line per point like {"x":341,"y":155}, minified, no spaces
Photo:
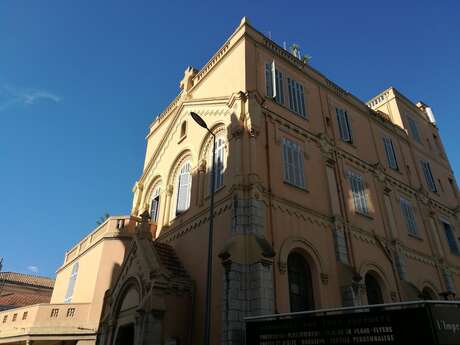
{"x":80,"y":81}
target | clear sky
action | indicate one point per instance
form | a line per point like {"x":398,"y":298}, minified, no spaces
{"x":80,"y":81}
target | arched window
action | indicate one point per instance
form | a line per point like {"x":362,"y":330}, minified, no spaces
{"x":71,"y":286}
{"x":300,"y":283}
{"x":373,"y":291}
{"x":184,"y":186}
{"x":155,"y":204}
{"x":218,"y":164}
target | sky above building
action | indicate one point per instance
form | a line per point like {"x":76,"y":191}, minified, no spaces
{"x":80,"y":82}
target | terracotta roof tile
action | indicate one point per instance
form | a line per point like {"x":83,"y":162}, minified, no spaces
{"x":26,"y":279}
{"x":22,"y":299}
{"x":170,"y":260}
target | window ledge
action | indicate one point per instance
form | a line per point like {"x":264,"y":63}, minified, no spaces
{"x":365,"y":215}
{"x":306,"y":117}
{"x":417,"y":237}
{"x":304,"y":189}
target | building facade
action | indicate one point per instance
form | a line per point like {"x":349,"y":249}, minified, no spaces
{"x":321,"y":201}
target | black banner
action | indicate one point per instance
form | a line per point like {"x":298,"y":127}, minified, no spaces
{"x":416,"y":325}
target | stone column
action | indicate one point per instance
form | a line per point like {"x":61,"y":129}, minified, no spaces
{"x":248,"y":275}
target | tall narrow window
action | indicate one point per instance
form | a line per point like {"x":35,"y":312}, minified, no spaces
{"x":390,"y":152}
{"x":218,"y":164}
{"x":293,"y":163}
{"x":296,"y":97}
{"x":358,"y":193}
{"x":184,"y":185}
{"x":344,"y":125}
{"x":428,"y":176}
{"x":71,"y":286}
{"x":183,"y":129}
{"x":155,"y":205}
{"x":274,"y":82}
{"x":409,"y":216}
{"x":300,"y":283}
{"x":413,"y":128}
{"x":450,"y":236}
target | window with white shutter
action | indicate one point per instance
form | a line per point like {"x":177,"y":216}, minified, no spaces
{"x":390,"y":152}
{"x":359,"y":193}
{"x":293,"y":163}
{"x":428,"y":176}
{"x":274,"y":81}
{"x":344,"y":125}
{"x":184,"y":186}
{"x":296,"y":97}
{"x":409,"y":216}
{"x":71,"y":284}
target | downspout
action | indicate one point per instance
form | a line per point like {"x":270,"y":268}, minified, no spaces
{"x":270,"y":212}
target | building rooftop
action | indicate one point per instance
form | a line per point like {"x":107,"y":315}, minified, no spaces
{"x":26,"y":279}
{"x":14,"y":299}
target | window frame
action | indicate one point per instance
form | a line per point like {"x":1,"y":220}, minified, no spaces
{"x":72,"y":282}
{"x":409,"y":215}
{"x":343,"y":121}
{"x":390,"y":153}
{"x":359,"y":195}
{"x":293,"y":163}
{"x":429,"y":178}
{"x":449,"y":235}
{"x":155,"y":195}
{"x":187,"y":165}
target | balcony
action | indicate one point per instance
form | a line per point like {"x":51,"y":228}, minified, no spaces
{"x":40,"y":321}
{"x":112,"y":227}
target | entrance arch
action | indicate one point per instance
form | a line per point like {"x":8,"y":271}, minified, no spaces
{"x":300,"y":283}
{"x":373,"y":289}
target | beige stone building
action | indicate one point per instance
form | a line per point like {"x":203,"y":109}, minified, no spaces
{"x":321,"y":201}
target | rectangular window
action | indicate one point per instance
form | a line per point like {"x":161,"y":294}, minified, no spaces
{"x":358,"y":193}
{"x":218,"y":165}
{"x":450,"y":236}
{"x":391,"y":154}
{"x":409,"y":216}
{"x":24,"y":315}
{"x":54,"y":312}
{"x":296,"y":98}
{"x":428,"y":176}
{"x":274,"y":83}
{"x":15,"y":316}
{"x":413,"y":128}
{"x":70,"y":312}
{"x":344,"y":125}
{"x":5,"y":318}
{"x":293,"y":163}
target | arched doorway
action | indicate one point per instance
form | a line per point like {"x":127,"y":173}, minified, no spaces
{"x":300,"y":283}
{"x":428,"y":294}
{"x":373,"y":290}
{"x":125,"y":335}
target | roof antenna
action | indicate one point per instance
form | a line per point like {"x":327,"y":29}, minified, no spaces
{"x":284,"y":45}
{"x":270,"y":35}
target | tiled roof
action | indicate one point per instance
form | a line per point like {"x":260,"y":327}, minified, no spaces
{"x":26,"y":279}
{"x":22,"y":299}
{"x":169,"y":260}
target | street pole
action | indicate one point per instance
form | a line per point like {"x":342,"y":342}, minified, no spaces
{"x":207,"y":313}
{"x":207,"y":321}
